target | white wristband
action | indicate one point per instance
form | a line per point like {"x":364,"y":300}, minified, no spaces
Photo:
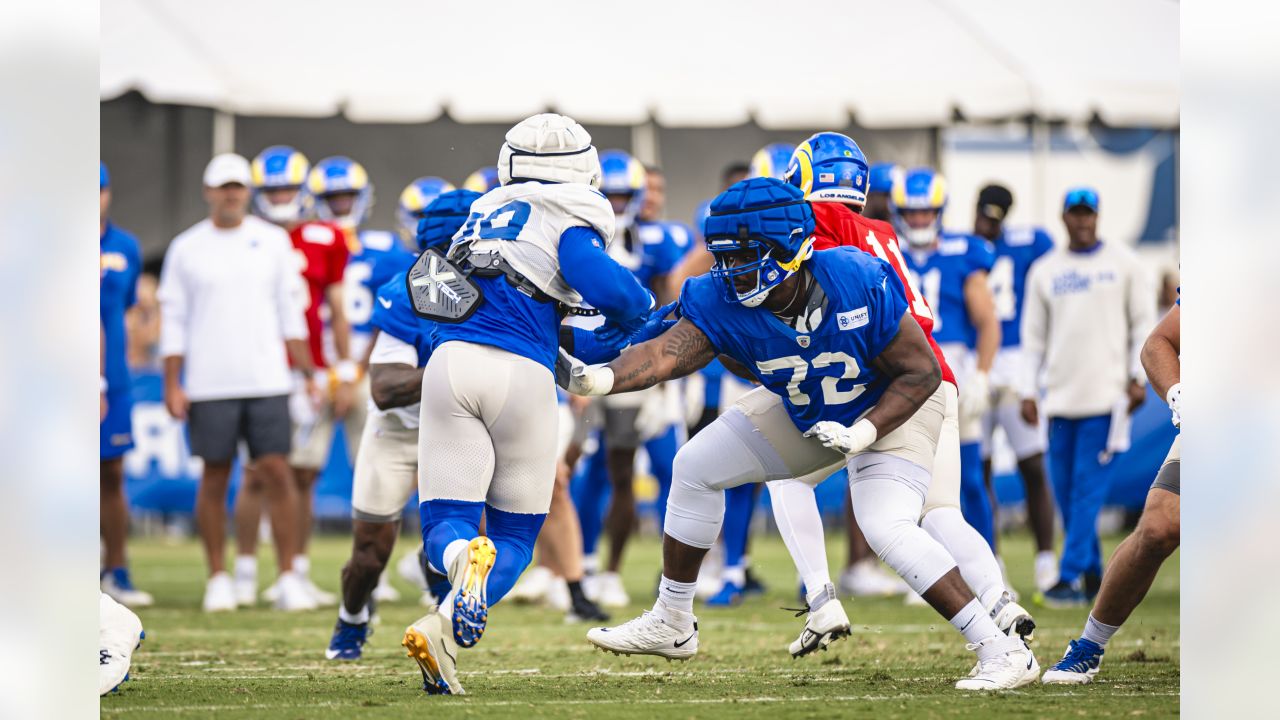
{"x":603,"y":381}
{"x":864,"y":434}
{"x":346,"y":371}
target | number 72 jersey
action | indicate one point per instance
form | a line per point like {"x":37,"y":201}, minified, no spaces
{"x":824,"y":374}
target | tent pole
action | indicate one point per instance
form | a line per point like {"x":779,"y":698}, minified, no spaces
{"x":644,"y":142}
{"x":224,"y":132}
{"x":1039,"y":169}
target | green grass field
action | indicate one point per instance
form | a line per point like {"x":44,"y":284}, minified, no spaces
{"x":900,"y":662}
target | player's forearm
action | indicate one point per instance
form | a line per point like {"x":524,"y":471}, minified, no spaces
{"x":394,"y":385}
{"x":173,"y":370}
{"x":301,"y":356}
{"x":981,"y":306}
{"x":1160,"y":353}
{"x":988,"y":343}
{"x":674,"y":354}
{"x":338,"y":323}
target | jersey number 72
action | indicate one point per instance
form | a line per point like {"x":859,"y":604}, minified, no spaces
{"x":831,"y":395}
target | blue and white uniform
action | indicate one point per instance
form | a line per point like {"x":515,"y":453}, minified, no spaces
{"x":120,"y":262}
{"x":378,"y":256}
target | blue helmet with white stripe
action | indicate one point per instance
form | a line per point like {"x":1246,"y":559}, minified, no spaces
{"x":760,"y":230}
{"x":341,"y":176}
{"x":415,"y":198}
{"x":440,"y":221}
{"x":771,"y":160}
{"x":830,"y":167}
{"x":482,"y":180}
{"x":622,"y":180}
{"x":918,"y":189}
{"x":280,"y":168}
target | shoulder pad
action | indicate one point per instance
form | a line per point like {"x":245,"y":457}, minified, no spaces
{"x":1019,"y":236}
{"x":377,"y":240}
{"x":953,"y":245}
{"x":583,"y":204}
{"x":651,"y":233}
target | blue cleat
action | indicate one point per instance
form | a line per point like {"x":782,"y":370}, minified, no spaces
{"x":348,"y":641}
{"x":753,"y":585}
{"x":1077,"y":666}
{"x":471,"y":603}
{"x":1064,"y":596}
{"x":730,"y":595}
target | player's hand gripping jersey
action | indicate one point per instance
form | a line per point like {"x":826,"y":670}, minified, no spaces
{"x":942,"y":274}
{"x":838,"y":226}
{"x":321,"y":248}
{"x":825,"y":374}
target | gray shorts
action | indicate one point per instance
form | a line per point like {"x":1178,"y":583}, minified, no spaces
{"x":215,"y":426}
{"x":1170,"y":476}
{"x":620,"y":431}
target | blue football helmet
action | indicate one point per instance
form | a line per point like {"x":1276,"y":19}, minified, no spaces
{"x":338,"y":175}
{"x":771,"y":160}
{"x":882,"y":178}
{"x":919,"y":188}
{"x":482,"y":180}
{"x":622,"y":176}
{"x":766,"y":222}
{"x":280,"y":167}
{"x":414,"y":200}
{"x":440,"y":219}
{"x":830,"y":167}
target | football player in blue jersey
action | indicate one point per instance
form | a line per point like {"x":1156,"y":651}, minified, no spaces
{"x":1015,"y":248}
{"x":849,"y":379}
{"x":530,"y":251}
{"x":951,"y":270}
{"x":879,"y":185}
{"x":386,"y":466}
{"x":119,"y":263}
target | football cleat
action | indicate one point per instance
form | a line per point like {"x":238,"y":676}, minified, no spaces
{"x":119,"y":634}
{"x":825,"y":624}
{"x":582,"y":609}
{"x":866,"y":578}
{"x":470,"y":575}
{"x":245,"y":590}
{"x":432,"y":646}
{"x":651,"y":634}
{"x":753,"y":585}
{"x":384,"y":592}
{"x":1046,"y":572}
{"x":1011,"y":666}
{"x":609,"y":592}
{"x":117,"y":583}
{"x":292,"y":593}
{"x":323,"y":598}
{"x":730,"y":595}
{"x":1077,"y":666}
{"x":348,"y":641}
{"x":1064,"y":595}
{"x":219,"y":595}
{"x":559,"y":597}
{"x":533,"y":586}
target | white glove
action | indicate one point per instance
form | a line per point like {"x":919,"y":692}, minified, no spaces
{"x":579,"y":378}
{"x":848,"y":440}
{"x":975,"y":395}
{"x":1174,"y":398}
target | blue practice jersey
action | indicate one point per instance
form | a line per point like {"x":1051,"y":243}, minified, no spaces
{"x":380,"y":255}
{"x":1015,"y":250}
{"x":940,"y":274}
{"x":394,"y":316}
{"x":821,"y":375}
{"x":119,"y":263}
{"x":663,"y":245}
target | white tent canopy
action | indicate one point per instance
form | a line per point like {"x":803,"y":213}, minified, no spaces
{"x":710,"y":63}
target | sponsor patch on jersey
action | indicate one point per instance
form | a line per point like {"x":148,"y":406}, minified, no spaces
{"x":802,"y":341}
{"x":318,"y":234}
{"x":853,"y":318}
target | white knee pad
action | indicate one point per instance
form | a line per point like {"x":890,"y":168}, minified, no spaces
{"x":715,"y":459}
{"x":888,"y":493}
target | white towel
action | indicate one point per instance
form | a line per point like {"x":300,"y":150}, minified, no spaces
{"x":1119,"y":435}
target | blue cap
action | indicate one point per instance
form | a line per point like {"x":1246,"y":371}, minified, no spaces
{"x":1081,"y":197}
{"x":104,"y":180}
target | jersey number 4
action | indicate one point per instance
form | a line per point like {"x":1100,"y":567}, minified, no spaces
{"x":831,"y":395}
{"x":505,"y":223}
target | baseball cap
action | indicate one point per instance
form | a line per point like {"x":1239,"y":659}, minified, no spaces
{"x":994,"y":202}
{"x":1081,"y":197}
{"x":104,"y":179}
{"x":225,"y":169}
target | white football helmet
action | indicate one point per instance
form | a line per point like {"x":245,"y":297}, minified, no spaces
{"x":551,"y":148}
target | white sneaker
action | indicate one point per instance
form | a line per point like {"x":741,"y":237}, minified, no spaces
{"x":1046,"y":570}
{"x":119,"y":586}
{"x":609,"y":591}
{"x":866,"y":578}
{"x":824,"y":625}
{"x":119,"y":634}
{"x":219,"y":595}
{"x":651,"y":634}
{"x":246,"y":591}
{"x":533,"y":586}
{"x":323,"y":598}
{"x":1011,"y":665}
{"x":411,"y":571}
{"x":384,"y":592}
{"x":436,"y":653}
{"x":558,"y":597}
{"x":292,"y":593}
{"x":272,"y":592}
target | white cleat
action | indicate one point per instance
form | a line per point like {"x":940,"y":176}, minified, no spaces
{"x":651,"y":634}
{"x":533,"y":587}
{"x":824,"y":626}
{"x":1009,"y":664}
{"x":609,"y":591}
{"x":292,"y":593}
{"x":867,"y":578}
{"x":119,"y":634}
{"x":411,"y":571}
{"x":384,"y":592}
{"x":246,"y":591}
{"x":558,"y":597}
{"x":1046,"y":573}
{"x":431,"y":644}
{"x":219,"y":594}
{"x":323,"y":598}
{"x":119,"y":586}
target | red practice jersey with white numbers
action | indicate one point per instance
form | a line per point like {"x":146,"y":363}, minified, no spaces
{"x":322,"y":251}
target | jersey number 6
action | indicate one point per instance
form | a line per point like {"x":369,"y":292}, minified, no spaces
{"x":831,"y":395}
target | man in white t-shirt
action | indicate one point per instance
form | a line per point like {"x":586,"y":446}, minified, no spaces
{"x":228,"y":308}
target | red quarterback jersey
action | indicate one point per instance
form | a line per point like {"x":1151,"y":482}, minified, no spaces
{"x":838,"y":226}
{"x":322,"y":251}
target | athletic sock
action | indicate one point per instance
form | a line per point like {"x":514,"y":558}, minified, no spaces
{"x":302,"y":565}
{"x":974,"y":623}
{"x":576,"y":593}
{"x":359,"y":618}
{"x":451,"y":554}
{"x":1098,"y":632}
{"x":246,"y":567}
{"x":676,"y":595}
{"x":736,"y":574}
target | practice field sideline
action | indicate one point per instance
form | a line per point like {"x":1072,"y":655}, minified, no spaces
{"x":900,"y":662}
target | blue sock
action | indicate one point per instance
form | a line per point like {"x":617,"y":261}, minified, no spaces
{"x":662,"y":457}
{"x":513,"y":534}
{"x":590,"y":491}
{"x":975,"y":504}
{"x":444,"y":521}
{"x":738,"y":504}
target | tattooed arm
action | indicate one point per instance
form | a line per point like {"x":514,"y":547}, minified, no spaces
{"x":910,"y":362}
{"x":675,"y":353}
